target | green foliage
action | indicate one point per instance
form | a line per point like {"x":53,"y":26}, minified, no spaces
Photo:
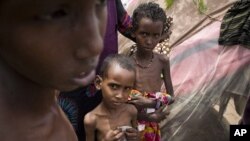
{"x":202,"y":7}
{"x":169,"y":3}
{"x":200,"y":4}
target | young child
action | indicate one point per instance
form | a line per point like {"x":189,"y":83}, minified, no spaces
{"x":108,"y":120}
{"x":46,"y":46}
{"x":148,"y":26}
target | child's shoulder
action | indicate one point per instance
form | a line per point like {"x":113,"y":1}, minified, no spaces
{"x":131,"y":108}
{"x":92,"y":116}
{"x":90,"y":119}
{"x":161,"y":57}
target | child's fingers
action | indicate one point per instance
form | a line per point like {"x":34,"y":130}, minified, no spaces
{"x":135,"y":98}
{"x":131,"y":101}
{"x":118,"y":135}
{"x":114,"y":135}
{"x":165,"y":110}
{"x":133,"y":131}
{"x":172,"y":101}
{"x":132,"y":134}
{"x":162,"y":108}
{"x":162,"y":113}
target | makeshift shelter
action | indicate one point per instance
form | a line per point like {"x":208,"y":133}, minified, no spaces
{"x":208,"y":78}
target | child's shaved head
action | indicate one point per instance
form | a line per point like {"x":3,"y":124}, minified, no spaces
{"x":116,"y":59}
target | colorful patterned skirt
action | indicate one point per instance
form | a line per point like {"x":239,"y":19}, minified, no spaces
{"x":150,"y":131}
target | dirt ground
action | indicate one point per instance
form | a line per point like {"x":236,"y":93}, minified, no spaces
{"x":230,"y":115}
{"x":202,"y":128}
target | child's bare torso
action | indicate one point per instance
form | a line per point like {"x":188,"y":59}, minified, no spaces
{"x":106,"y":122}
{"x":149,"y":79}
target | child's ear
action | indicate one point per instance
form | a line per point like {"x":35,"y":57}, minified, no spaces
{"x":98,"y":82}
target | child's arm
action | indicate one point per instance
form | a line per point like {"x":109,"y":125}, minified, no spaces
{"x":136,"y":98}
{"x":90,"y":126}
{"x":124,"y":21}
{"x":167,"y":76}
{"x":142,"y":102}
{"x":134,"y":113}
{"x":157,"y":116}
{"x":132,"y":133}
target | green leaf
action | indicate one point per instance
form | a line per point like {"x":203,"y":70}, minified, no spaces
{"x":201,"y":5}
{"x":169,"y":3}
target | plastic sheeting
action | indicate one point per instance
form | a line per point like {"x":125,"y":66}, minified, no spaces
{"x":204,"y":76}
{"x":211,"y":82}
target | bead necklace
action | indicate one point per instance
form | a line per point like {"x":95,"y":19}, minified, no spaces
{"x":141,"y":66}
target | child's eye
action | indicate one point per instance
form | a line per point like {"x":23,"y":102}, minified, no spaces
{"x":101,"y":2}
{"x":57,"y":14}
{"x":114,"y":86}
{"x":157,"y":35}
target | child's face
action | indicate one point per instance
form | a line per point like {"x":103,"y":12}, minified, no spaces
{"x":148,"y":34}
{"x":117,"y":85}
{"x":55,"y":43}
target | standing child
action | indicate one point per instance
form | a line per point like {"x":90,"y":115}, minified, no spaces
{"x":46,"y":46}
{"x":107,"y":121}
{"x":148,"y":26}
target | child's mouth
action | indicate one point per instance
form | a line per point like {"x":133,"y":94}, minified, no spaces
{"x":84,"y":78}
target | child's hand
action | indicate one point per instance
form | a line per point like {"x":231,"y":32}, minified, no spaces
{"x":132,"y":134}
{"x":114,"y":135}
{"x":159,"y":115}
{"x":141,"y":102}
{"x":172,"y":101}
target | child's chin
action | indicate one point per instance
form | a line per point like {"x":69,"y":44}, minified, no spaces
{"x":68,"y":88}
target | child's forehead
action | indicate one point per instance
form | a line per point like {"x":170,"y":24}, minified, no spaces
{"x":116,"y":68}
{"x":149,"y":19}
{"x":42,"y":3}
{"x":25,"y":9}
{"x":29,"y":2}
{"x":148,"y":23}
{"x":117,"y":71}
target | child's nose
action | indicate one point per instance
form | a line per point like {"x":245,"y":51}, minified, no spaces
{"x":122,"y":95}
{"x":149,"y":41}
{"x":92,"y":48}
{"x":89,"y":39}
{"x":119,"y":95}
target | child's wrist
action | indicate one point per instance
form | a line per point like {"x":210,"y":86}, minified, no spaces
{"x":152,"y":104}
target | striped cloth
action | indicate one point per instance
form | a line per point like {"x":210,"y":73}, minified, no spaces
{"x":235,"y":27}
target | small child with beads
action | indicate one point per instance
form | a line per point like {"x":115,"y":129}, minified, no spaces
{"x":149,"y":22}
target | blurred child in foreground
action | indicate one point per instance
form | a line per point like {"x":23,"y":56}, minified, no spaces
{"x":46,"y":46}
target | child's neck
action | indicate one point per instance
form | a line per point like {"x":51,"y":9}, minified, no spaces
{"x":20,"y":95}
{"x":143,"y":55}
{"x":27,"y":109}
{"x":109,"y":110}
{"x":143,"y":60}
